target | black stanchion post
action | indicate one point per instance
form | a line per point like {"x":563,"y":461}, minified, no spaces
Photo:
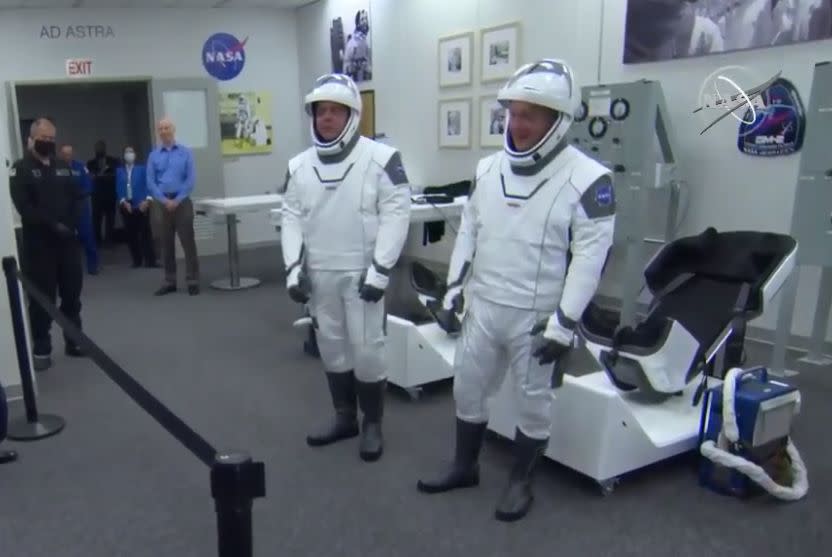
{"x":235,"y":482}
{"x":35,"y":426}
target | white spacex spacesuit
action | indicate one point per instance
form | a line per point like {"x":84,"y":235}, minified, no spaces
{"x":243,"y":118}
{"x":531,"y":248}
{"x":346,"y":213}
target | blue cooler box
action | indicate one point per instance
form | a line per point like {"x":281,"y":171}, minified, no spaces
{"x":765,"y":410}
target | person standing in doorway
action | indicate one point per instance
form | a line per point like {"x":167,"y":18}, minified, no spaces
{"x":85,"y":229}
{"x":134,"y":202}
{"x":103,"y":171}
{"x":48,"y":196}
{"x":170,"y":180}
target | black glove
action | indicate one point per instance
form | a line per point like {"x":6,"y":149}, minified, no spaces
{"x":302,"y":291}
{"x":446,"y":319}
{"x":367,"y":292}
{"x":64,"y":231}
{"x":546,"y":350}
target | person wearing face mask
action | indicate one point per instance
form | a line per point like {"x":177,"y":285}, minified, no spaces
{"x":85,"y":229}
{"x":103,"y":170}
{"x":49,"y":197}
{"x":533,"y":241}
{"x":134,"y":200}
{"x":346,"y":214}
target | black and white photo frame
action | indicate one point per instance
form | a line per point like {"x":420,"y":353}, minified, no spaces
{"x":454,"y":123}
{"x":499,"y":52}
{"x":492,"y":122}
{"x":456,"y":59}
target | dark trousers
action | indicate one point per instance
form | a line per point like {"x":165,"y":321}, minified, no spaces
{"x":55,"y":267}
{"x":139,"y":238}
{"x":104,"y":211}
{"x":179,"y":222}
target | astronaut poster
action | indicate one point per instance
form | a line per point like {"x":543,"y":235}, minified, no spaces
{"x":350,"y":41}
{"x":659,"y":30}
{"x":246,"y":123}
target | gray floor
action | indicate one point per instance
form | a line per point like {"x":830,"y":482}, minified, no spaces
{"x":114,"y":483}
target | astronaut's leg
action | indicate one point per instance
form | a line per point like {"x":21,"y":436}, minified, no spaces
{"x":365,"y":328}
{"x":327,"y":307}
{"x":478,"y":374}
{"x":534,"y":395}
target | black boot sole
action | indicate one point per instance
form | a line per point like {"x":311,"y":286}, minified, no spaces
{"x":368,"y":456}
{"x":433,"y":488}
{"x":323,"y":440}
{"x":505,"y":516}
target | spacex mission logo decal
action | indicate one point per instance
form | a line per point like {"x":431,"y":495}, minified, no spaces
{"x":224,"y":56}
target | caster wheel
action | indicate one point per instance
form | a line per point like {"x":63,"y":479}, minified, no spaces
{"x":415,"y":393}
{"x":608,"y":486}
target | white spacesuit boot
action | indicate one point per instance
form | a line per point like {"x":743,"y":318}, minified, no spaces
{"x":346,"y":213}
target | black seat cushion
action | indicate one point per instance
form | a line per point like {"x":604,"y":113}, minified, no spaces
{"x":719,"y":265}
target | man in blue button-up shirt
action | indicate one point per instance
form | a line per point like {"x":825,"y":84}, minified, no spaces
{"x":170,"y":180}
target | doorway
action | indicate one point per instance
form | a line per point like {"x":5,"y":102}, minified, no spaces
{"x":115,"y":112}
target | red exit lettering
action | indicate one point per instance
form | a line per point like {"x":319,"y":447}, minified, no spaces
{"x":78,"y":68}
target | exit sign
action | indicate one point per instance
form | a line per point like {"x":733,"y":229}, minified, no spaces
{"x":79,"y":67}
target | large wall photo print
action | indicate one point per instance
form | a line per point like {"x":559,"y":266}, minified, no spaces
{"x":657,"y":30}
{"x":350,"y":41}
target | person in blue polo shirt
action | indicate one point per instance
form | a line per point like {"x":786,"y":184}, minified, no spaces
{"x":85,"y":228}
{"x":170,"y":180}
{"x":134,"y":202}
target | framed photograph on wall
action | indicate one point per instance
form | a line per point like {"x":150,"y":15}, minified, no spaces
{"x":455,"y":59}
{"x":455,"y":123}
{"x":686,"y":29}
{"x":499,"y":52}
{"x":367,"y":126}
{"x":492,"y":122}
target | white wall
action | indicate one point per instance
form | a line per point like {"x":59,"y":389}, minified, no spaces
{"x":168,"y":43}
{"x":589,"y":34}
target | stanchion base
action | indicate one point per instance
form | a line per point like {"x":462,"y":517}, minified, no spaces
{"x":823,"y":360}
{"x":245,"y":282}
{"x":46,"y":426}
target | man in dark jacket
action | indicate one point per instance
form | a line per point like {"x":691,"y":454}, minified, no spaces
{"x":49,"y":197}
{"x":103,"y":172}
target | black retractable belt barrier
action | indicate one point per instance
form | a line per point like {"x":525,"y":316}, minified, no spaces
{"x":236,"y":480}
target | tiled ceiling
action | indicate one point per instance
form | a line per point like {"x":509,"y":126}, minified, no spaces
{"x":40,"y":4}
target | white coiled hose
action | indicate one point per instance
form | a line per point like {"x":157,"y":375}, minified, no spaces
{"x":717,"y":451}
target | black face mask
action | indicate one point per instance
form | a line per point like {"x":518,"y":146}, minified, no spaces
{"x":44,"y":148}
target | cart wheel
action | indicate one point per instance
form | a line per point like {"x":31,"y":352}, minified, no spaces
{"x":608,"y":486}
{"x":415,"y":393}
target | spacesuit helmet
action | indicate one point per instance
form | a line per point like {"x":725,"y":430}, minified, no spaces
{"x":549,"y":83}
{"x":341,"y":89}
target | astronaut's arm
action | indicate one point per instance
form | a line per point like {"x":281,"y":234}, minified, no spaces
{"x":291,"y":231}
{"x":462,"y":256}
{"x":394,"y":215}
{"x":592,"y":225}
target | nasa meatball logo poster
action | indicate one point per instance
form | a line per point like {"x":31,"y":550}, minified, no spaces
{"x":777,"y":128}
{"x":350,"y":41}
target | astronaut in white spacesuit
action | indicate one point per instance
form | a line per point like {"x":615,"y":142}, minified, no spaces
{"x":243,"y":119}
{"x":346,"y":213}
{"x":534,"y":238}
